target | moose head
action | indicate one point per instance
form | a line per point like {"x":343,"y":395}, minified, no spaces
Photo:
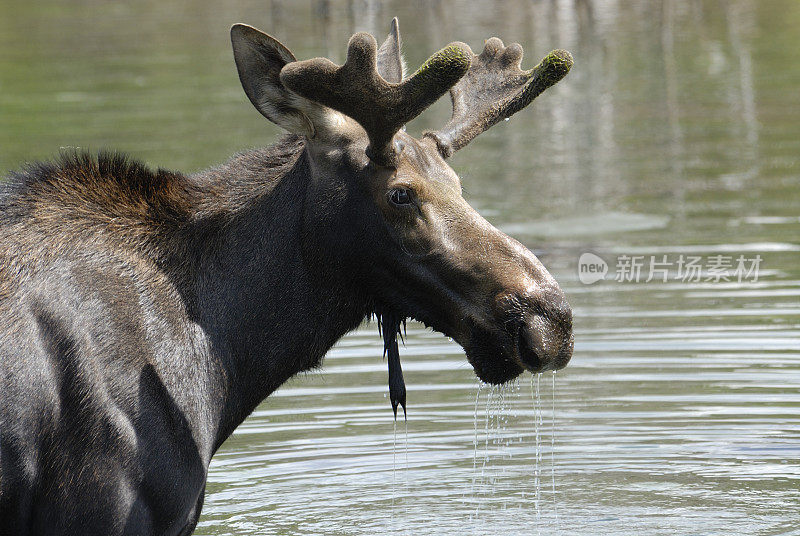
{"x":384,"y":212}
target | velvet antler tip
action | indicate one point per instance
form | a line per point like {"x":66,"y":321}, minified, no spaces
{"x":556,"y":65}
{"x":361,"y":51}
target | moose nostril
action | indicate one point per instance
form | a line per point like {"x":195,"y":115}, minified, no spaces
{"x":539,"y":341}
{"x":527,"y":350}
{"x":541,"y":326}
{"x":544,"y":335}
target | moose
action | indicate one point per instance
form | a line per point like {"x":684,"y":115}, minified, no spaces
{"x":145,"y":314}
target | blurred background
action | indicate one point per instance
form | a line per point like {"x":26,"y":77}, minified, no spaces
{"x":676,"y":134}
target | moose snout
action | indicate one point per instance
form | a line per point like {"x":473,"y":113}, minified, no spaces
{"x":541,"y":326}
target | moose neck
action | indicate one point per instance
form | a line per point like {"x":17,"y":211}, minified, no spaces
{"x":266,"y":313}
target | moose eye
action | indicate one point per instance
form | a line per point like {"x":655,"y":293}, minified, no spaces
{"x":400,"y":196}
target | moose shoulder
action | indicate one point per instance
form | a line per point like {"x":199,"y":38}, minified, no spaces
{"x":145,"y":314}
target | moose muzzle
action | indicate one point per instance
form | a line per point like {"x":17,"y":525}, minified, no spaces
{"x":540,"y":324}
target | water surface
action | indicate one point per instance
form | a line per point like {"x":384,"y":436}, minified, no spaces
{"x":677,"y":133}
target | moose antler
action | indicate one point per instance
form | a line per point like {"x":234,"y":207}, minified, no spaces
{"x":380,"y":107}
{"x":495,"y":88}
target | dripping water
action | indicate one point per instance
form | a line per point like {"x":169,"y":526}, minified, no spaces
{"x":394,"y":467}
{"x":536,"y":398}
{"x":489,"y":402}
{"x":500,"y":435}
{"x":472,"y":497}
{"x":553,"y":448}
{"x":475,"y":439}
{"x":406,"y":494}
{"x":491,"y":450}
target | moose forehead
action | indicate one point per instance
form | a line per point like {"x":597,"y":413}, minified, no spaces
{"x":420,"y":159}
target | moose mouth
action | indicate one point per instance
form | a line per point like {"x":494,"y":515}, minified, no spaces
{"x":498,"y":356}
{"x":500,"y":349}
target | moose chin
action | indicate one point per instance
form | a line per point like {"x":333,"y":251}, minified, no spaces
{"x":147,"y":313}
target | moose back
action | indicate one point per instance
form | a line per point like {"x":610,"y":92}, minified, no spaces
{"x":146,"y":313}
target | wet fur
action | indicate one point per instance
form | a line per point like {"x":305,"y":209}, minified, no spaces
{"x":133,"y":305}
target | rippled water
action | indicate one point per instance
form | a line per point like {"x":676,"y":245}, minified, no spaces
{"x":677,"y":133}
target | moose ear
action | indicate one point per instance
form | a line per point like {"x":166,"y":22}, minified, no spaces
{"x":259,"y":60}
{"x":390,"y":61}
